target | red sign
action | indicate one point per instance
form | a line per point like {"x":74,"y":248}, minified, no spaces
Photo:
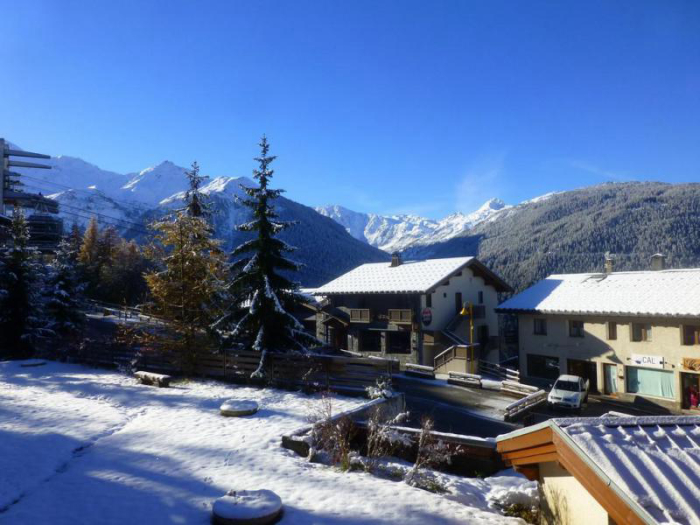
{"x":427,"y":316}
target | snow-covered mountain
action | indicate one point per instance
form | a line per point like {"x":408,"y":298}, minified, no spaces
{"x":399,"y":232}
{"x":130,"y":202}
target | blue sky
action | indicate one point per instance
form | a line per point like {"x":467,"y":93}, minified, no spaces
{"x":417,"y":107}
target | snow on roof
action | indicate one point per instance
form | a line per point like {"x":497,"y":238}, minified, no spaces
{"x":674,"y":293}
{"x":653,"y":460}
{"x":408,"y":277}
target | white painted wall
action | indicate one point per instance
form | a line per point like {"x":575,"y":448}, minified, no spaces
{"x":443,"y":301}
{"x":566,"y":501}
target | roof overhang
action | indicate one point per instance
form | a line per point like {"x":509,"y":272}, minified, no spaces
{"x":526,"y":448}
{"x":534,"y":311}
{"x":477,"y":267}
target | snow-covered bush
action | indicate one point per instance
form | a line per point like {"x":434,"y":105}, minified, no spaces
{"x":382,"y":440}
{"x":383,"y":389}
{"x":431,"y":452}
{"x":331,"y":438}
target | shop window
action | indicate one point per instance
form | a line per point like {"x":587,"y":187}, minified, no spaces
{"x":640,"y":332}
{"x":612,"y":330}
{"x":398,"y":342}
{"x":370,"y":341}
{"x":649,"y":382}
{"x":543,"y":366}
{"x":691,"y":335}
{"x":540,"y":326}
{"x":575,"y":328}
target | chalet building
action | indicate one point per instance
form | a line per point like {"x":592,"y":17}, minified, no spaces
{"x":410,"y":310}
{"x":634,"y":335}
{"x":610,"y":470}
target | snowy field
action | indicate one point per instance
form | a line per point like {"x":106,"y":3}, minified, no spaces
{"x":79,"y":445}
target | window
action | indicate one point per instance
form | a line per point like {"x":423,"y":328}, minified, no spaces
{"x":398,"y":342}
{"x":458,"y":302}
{"x":540,"y":327}
{"x":612,"y":330}
{"x":543,"y":366}
{"x":481,"y":297}
{"x":575,"y":328}
{"x":691,"y":335}
{"x":359,"y":315}
{"x":648,"y":382}
{"x":370,"y":341}
{"x":429,"y":300}
{"x":640,"y":332}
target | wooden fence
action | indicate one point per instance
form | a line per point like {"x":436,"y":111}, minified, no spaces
{"x":351,"y":375}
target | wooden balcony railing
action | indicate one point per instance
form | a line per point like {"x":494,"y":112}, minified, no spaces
{"x":360,"y":315}
{"x":400,"y":316}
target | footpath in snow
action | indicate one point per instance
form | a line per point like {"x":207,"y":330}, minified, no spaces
{"x":79,"y":445}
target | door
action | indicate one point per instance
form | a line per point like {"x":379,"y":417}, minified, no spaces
{"x":691,"y":390}
{"x":610,"y":375}
{"x":458,"y":302}
{"x":586,"y":369}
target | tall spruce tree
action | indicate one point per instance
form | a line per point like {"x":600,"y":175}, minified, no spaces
{"x":189,"y":286}
{"x":262,"y":295}
{"x":21,"y":312}
{"x":64,"y":292}
{"x":195,"y":201}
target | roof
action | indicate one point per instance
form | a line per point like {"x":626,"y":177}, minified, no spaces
{"x":650,"y":465}
{"x":567,"y":377}
{"x":408,"y":277}
{"x":667,"y":293}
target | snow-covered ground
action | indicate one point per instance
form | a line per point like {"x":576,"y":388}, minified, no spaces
{"x":79,"y":445}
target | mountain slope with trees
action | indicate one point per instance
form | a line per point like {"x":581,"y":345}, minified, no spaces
{"x":572,"y":231}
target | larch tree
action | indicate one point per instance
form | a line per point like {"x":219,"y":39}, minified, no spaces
{"x":262,"y":296}
{"x":21,"y":305}
{"x":188,"y":288}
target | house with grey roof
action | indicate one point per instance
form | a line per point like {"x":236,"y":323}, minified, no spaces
{"x":611,"y":469}
{"x":410,"y":310}
{"x":634,"y":334}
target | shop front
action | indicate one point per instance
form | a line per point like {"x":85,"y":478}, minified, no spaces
{"x":690,"y":383}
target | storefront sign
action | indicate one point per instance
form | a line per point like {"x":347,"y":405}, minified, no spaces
{"x":427,"y":316}
{"x":648,"y":361}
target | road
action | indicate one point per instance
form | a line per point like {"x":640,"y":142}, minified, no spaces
{"x":454,"y":409}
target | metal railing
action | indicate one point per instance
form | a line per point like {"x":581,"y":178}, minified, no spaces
{"x":501,"y":372}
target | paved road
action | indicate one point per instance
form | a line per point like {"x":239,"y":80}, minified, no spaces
{"x":453,"y":409}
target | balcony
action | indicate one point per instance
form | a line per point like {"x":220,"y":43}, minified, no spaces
{"x":401,"y":316}
{"x":360,"y":315}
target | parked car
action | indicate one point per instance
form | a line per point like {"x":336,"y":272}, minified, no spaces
{"x":568,"y":392}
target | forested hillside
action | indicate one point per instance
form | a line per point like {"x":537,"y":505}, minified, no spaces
{"x":572,"y":231}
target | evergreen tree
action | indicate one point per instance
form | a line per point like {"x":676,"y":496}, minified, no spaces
{"x":195,"y":200}
{"x":20,"y":302}
{"x":75,"y":241}
{"x":189,"y":287}
{"x":64,"y":292}
{"x":261,"y":294}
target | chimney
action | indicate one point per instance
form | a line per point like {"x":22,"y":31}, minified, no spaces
{"x":395,"y":259}
{"x":658,"y":262}
{"x":609,"y":263}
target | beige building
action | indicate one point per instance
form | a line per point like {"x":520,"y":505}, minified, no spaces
{"x":632,"y":334}
{"x":410,"y":310}
{"x":610,"y":470}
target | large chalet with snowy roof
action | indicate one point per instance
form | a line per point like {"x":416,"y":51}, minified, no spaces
{"x":634,"y":334}
{"x":411,"y":310}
